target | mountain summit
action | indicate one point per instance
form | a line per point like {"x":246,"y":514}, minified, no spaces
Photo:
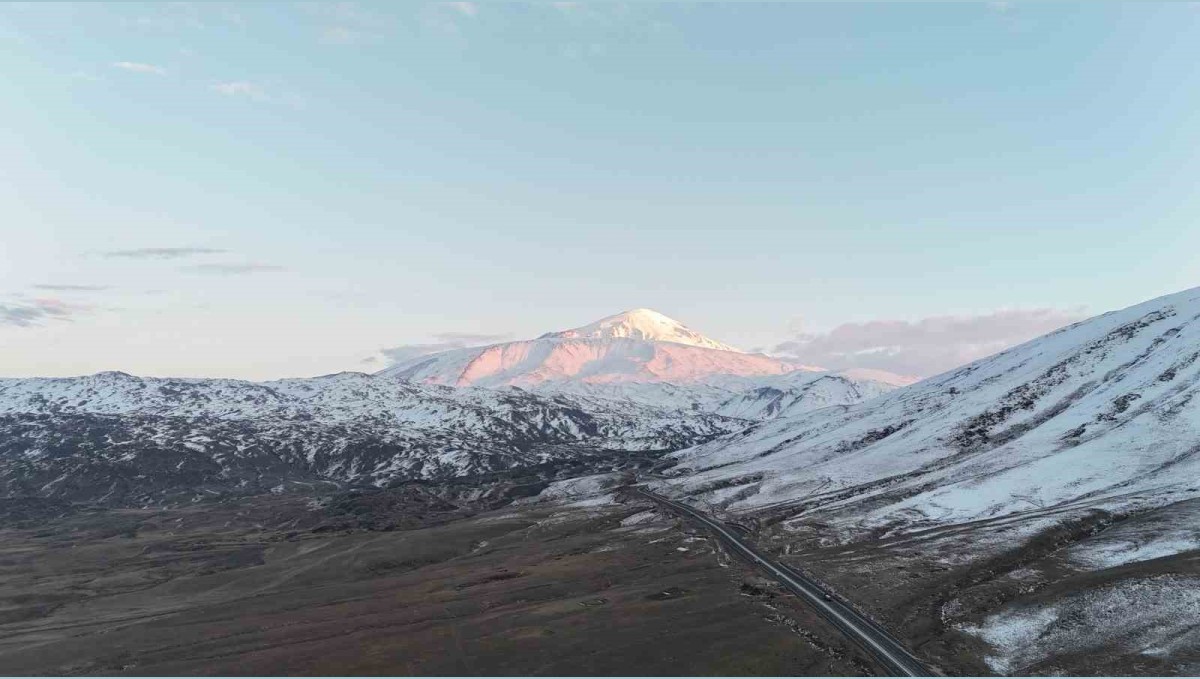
{"x":641,"y":324}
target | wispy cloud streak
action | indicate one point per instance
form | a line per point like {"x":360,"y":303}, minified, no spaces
{"x":240,"y":88}
{"x":70,"y":288}
{"x":163,"y":253}
{"x":36,"y":312}
{"x":233,"y":269}
{"x":138,"y":67}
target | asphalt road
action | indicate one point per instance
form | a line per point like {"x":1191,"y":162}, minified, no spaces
{"x":871,"y":637}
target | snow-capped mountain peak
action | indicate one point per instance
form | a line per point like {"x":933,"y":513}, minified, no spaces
{"x":644,"y":357}
{"x":642,"y":324}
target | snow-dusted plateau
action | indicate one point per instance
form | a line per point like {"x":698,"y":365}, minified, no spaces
{"x":1034,"y":512}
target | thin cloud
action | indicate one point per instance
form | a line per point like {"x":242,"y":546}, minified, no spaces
{"x":240,"y":88}
{"x":71,"y":288}
{"x":467,"y":9}
{"x":348,"y":23}
{"x":162,"y":253}
{"x":169,"y":17}
{"x":445,"y":17}
{"x":233,"y":269}
{"x":406,"y":352}
{"x":138,"y":67}
{"x":86,"y":77}
{"x":38,"y":311}
{"x":447,"y":341}
{"x":341,"y":35}
{"x":233,"y":17}
{"x":925,"y":347}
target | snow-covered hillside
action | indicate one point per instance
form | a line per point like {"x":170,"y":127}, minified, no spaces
{"x":1038,"y":506}
{"x":750,"y":398}
{"x":1103,"y":413}
{"x":111,"y":433}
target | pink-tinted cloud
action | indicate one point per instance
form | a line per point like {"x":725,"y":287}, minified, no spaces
{"x":925,"y":347}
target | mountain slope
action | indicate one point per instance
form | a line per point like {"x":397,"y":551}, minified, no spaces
{"x":631,"y":347}
{"x":1030,"y":513}
{"x":750,"y":398}
{"x":1103,"y":412}
{"x":529,"y":363}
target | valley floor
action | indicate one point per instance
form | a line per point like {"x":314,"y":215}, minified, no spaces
{"x":272,"y":585}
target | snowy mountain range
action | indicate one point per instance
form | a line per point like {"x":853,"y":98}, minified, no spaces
{"x":1101,"y":412}
{"x":120,"y":438}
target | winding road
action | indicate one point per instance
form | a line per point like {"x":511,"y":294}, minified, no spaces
{"x":871,"y":637}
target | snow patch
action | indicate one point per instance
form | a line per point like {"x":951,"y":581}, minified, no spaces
{"x":1154,"y":616}
{"x":577,"y":491}
{"x":639,"y":518}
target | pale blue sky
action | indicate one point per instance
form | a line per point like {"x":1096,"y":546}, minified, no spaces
{"x":382,"y":174}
